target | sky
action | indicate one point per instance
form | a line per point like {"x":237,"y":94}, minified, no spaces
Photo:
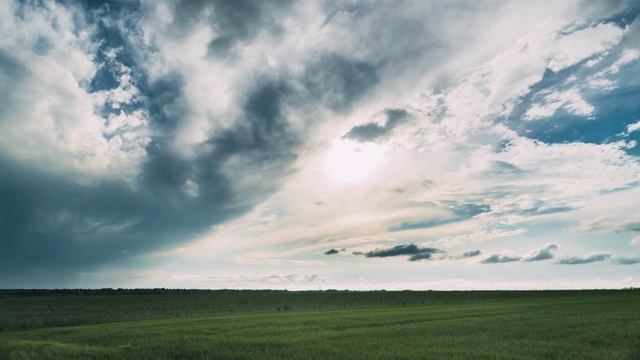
{"x":309,"y":145}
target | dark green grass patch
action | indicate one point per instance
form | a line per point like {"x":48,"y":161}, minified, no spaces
{"x":54,"y":308}
{"x":580,"y":327}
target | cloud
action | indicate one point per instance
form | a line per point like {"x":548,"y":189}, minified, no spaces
{"x":626,"y":260}
{"x":543,"y":253}
{"x":111,"y":134}
{"x":500,"y":258}
{"x":338,"y":82}
{"x":569,"y":100}
{"x":468,"y":254}
{"x":478,"y":236}
{"x":287,"y":279}
{"x":414,"y":252}
{"x":373,"y":131}
{"x":609,"y":224}
{"x":459,"y":212}
{"x":633,"y":127}
{"x":331,"y":252}
{"x":576,"y":46}
{"x":578,"y":260}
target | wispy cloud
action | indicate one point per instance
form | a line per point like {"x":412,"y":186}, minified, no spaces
{"x":587,"y":259}
{"x":500,"y":258}
{"x":626,"y":260}
{"x":545,"y":252}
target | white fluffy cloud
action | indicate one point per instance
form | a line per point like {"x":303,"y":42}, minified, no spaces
{"x":49,"y":116}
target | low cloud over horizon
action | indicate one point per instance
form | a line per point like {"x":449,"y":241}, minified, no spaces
{"x":232,"y":144}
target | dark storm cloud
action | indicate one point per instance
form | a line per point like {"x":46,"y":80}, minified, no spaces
{"x":51,"y":222}
{"x":499,"y":259}
{"x":544,"y":253}
{"x":331,"y":252}
{"x":577,"y":260}
{"x":414,"y":252}
{"x":373,"y":131}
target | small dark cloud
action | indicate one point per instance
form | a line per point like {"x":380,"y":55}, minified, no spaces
{"x":627,"y":261}
{"x":426,"y":255}
{"x":414,"y":252}
{"x":543,"y":253}
{"x":499,"y":259}
{"x":331,"y":252}
{"x":373,"y":131}
{"x":577,"y":260}
{"x":468,"y":254}
{"x":367,"y":132}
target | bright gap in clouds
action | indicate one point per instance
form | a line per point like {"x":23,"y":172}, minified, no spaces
{"x":351,"y":162}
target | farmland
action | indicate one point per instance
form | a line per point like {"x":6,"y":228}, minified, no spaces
{"x":315,"y":325}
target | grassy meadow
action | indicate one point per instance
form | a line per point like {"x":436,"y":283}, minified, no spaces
{"x":325,"y":325}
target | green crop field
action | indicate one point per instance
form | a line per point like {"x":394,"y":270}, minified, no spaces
{"x":393,"y":325}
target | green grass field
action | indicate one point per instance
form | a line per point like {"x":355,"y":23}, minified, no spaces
{"x":579,"y":326}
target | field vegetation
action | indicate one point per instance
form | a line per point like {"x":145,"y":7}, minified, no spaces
{"x":321,"y":325}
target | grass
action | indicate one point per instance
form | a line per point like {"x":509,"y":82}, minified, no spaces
{"x":567,"y":327}
{"x":31,"y":312}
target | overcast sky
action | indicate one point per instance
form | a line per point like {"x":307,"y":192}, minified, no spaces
{"x":320,"y":144}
